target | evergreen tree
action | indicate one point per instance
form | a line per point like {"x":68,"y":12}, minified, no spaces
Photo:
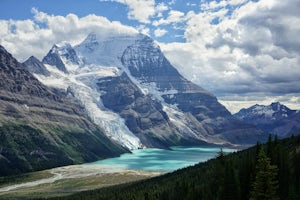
{"x":269,"y":146}
{"x":265,"y":184}
{"x":221,"y":154}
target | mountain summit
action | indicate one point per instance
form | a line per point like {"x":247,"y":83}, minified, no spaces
{"x":275,"y":118}
{"x":35,"y":66}
{"x":132,"y":91}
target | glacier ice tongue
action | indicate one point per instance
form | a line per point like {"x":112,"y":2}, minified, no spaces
{"x":83,"y":84}
{"x":98,"y":58}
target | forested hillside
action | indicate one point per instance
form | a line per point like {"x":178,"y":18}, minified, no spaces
{"x":269,"y":171}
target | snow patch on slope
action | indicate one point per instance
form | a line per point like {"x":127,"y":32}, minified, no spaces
{"x":101,"y":57}
{"x":83,"y":83}
{"x":104,"y":51}
{"x":263,"y":110}
{"x":108,"y":52}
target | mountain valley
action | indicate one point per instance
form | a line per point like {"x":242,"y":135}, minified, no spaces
{"x":105,"y":97}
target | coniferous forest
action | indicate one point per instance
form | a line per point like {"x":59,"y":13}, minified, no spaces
{"x":268,"y":171}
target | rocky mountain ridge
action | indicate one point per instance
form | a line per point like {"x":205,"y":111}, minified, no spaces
{"x":41,"y":127}
{"x":132,"y":91}
{"x":275,"y":118}
{"x":35,"y":66}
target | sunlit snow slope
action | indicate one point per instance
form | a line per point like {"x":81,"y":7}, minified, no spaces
{"x":80,"y":78}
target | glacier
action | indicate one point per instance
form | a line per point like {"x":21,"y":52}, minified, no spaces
{"x":81,"y":80}
{"x":97,"y":58}
{"x":182,"y":113}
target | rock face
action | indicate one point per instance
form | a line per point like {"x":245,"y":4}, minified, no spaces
{"x":272,"y":119}
{"x":147,"y":64}
{"x":143,"y":115}
{"x":130,"y":89}
{"x":15,"y":79}
{"x":53,"y":58}
{"x":42,"y":127}
{"x":35,"y":66}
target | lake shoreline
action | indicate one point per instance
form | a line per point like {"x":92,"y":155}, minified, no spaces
{"x":74,"y":178}
{"x":138,"y":165}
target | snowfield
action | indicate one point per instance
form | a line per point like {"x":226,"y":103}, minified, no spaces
{"x":98,"y":58}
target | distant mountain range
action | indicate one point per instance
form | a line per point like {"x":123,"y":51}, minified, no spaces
{"x":272,"y":119}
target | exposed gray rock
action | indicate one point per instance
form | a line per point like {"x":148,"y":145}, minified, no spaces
{"x":34,"y":117}
{"x":147,"y":63}
{"x":272,"y":119}
{"x":159,"y":106}
{"x":35,"y":66}
{"x":144,"y":115}
{"x":53,"y":58}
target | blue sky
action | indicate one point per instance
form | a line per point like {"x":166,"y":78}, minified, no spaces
{"x":243,"y":51}
{"x":112,"y":10}
{"x":57,"y":7}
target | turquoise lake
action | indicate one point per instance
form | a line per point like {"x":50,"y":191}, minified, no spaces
{"x":161,"y":159}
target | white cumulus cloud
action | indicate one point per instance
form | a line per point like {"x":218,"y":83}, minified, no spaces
{"x":160,"y":32}
{"x":24,"y":38}
{"x":160,"y":8}
{"x":252,"y":53}
{"x":174,"y":16}
{"x":141,"y":10}
{"x":241,"y":50}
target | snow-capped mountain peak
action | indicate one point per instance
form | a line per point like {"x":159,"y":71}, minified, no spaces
{"x":276,"y":106}
{"x":105,"y":51}
{"x":67,"y":53}
{"x":132,"y":91}
{"x":275,"y":118}
{"x":270,"y":112}
{"x":63,"y":57}
{"x":90,"y":43}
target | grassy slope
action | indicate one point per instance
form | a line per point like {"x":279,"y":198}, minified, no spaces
{"x":67,"y":186}
{"x":228,"y":177}
{"x":24,"y":148}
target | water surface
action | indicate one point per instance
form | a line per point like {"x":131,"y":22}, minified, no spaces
{"x":162,"y":159}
